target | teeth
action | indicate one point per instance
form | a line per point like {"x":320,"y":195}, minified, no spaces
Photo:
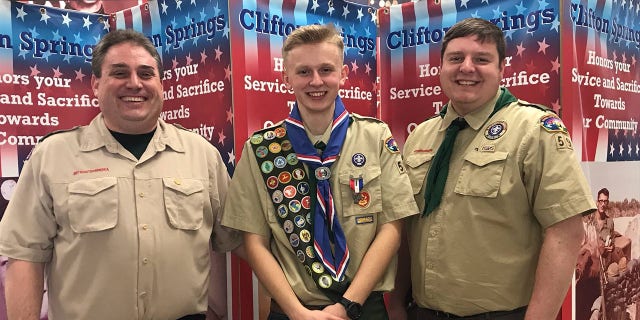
{"x":316,"y":94}
{"x":133,"y":99}
{"x":466,"y":83}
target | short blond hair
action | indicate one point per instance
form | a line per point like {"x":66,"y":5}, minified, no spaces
{"x":312,"y":34}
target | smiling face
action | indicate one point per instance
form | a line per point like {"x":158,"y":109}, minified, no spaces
{"x":129,"y":89}
{"x":470,"y":73}
{"x":315,"y":73}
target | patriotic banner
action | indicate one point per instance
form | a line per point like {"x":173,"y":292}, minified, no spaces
{"x":258,"y":30}
{"x":193,"y":38}
{"x":411,"y":36}
{"x":600,"y":89}
{"x":45,"y":78}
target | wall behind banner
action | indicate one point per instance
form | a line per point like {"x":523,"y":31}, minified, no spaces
{"x":592,"y":83}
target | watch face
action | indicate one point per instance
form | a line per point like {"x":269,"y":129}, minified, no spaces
{"x":354,"y":310}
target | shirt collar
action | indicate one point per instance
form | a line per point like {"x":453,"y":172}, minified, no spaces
{"x":475,"y":119}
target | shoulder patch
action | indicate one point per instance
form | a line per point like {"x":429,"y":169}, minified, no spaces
{"x":552,"y":123}
{"x":534,"y":105}
{"x":56,"y":132}
{"x":391,"y":145}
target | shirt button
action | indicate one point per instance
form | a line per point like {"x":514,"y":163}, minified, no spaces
{"x":177,"y":181}
{"x":145,"y":227}
{"x":142,"y":294}
{"x":141,"y":194}
{"x":145,"y":260}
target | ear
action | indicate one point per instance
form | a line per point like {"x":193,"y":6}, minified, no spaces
{"x":285,"y":78}
{"x":502,"y":65}
{"x":343,"y":74}
{"x":94,"y":84}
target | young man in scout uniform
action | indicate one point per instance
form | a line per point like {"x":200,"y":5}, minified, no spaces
{"x":501,"y":202}
{"x":321,"y":195}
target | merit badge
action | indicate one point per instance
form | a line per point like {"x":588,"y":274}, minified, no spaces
{"x":277,"y":196}
{"x":552,"y":123}
{"x":295,"y":206}
{"x":306,"y":202}
{"x":298,"y":174}
{"x":391,"y":145}
{"x":294,"y":239}
{"x":309,"y":252}
{"x":256,"y":138}
{"x":323,"y":173}
{"x":495,"y":130}
{"x":269,"y":135}
{"x":280,"y":162}
{"x":261,"y":151}
{"x":286,"y":145}
{"x":365,"y":199}
{"x":292,"y":159}
{"x":356,"y":185}
{"x":300,"y":255}
{"x":275,"y":147}
{"x":303,"y":188}
{"x":282,"y":211}
{"x":266,"y":166}
{"x":299,"y":220}
{"x":287,"y":226}
{"x":305,"y":236}
{"x":289,"y":191}
{"x":280,"y":132}
{"x":284,"y":177}
{"x":358,"y":159}
{"x":272,"y":182}
{"x":325,"y":281}
{"x":317,"y":267}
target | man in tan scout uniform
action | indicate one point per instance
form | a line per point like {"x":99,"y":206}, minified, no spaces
{"x":504,"y":231}
{"x":321,"y":196}
{"x":119,"y":213}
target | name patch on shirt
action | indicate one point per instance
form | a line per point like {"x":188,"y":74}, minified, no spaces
{"x":364,"y":219}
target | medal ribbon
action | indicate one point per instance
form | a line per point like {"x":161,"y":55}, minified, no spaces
{"x":326,"y":227}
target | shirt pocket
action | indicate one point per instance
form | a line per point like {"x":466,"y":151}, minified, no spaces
{"x":371,"y":198}
{"x":184,"y":202}
{"x":481,"y":174}
{"x":93,"y":204}
{"x":418,"y":165}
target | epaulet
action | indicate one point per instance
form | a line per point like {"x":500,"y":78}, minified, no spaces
{"x":56,"y":132}
{"x":534,"y":105}
{"x":269,"y":128}
{"x":361,"y":117}
{"x":179,"y":126}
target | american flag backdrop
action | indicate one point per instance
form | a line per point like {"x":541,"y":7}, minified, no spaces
{"x":600,"y":78}
{"x":193,"y":38}
{"x":45,"y":73}
{"x":410,"y":41}
{"x":258,"y":30}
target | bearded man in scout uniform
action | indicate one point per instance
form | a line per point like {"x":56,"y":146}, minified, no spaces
{"x":500,"y":190}
{"x":321,"y":195}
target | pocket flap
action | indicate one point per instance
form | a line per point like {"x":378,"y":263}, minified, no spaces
{"x":184,"y":186}
{"x":368,"y":174}
{"x":417,"y":159}
{"x":92,"y":186}
{"x":482,"y":159}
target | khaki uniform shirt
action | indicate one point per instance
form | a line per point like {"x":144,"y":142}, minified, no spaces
{"x":121,"y":238}
{"x":478,"y":250}
{"x":250,"y":208}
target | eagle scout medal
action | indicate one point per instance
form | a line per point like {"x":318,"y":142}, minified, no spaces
{"x":323,"y":173}
{"x":495,"y":130}
{"x":358,"y":159}
{"x":356,"y":185}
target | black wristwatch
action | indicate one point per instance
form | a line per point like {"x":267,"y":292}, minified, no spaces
{"x":354,"y":309}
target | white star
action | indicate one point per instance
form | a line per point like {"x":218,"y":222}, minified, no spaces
{"x":360,"y":15}
{"x":87,"y":22}
{"x":21,"y":13}
{"x":611,"y":149}
{"x":164,"y":7}
{"x":637,"y":149}
{"x":232,"y":158}
{"x":346,"y":11}
{"x":65,"y":19}
{"x":179,"y":4}
{"x":315,"y":6}
{"x":464,"y":3}
{"x":629,"y":152}
{"x":330,"y":11}
{"x":621,"y":150}
{"x":44,"y":16}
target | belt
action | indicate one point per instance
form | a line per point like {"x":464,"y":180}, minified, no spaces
{"x":275,"y":307}
{"x":515,"y":314}
{"x":194,"y":317}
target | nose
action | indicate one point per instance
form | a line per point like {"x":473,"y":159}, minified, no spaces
{"x":316,"y":79}
{"x":134,"y":81}
{"x":467,"y":65}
